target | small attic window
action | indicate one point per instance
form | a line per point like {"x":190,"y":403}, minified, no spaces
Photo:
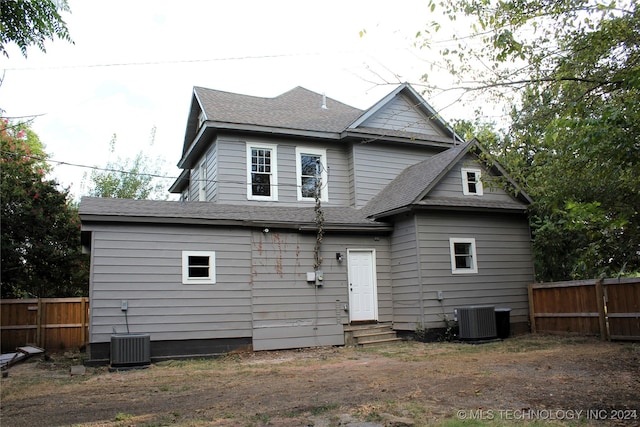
{"x":471,"y":183}
{"x":201,"y":119}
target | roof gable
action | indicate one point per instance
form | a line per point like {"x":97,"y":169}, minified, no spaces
{"x":413,"y":185}
{"x":403,"y":114}
{"x":404,"y":110}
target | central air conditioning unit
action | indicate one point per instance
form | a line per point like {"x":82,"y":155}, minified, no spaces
{"x":477,"y":322}
{"x":130,"y":350}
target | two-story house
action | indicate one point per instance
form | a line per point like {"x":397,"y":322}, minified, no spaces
{"x":300,"y":216}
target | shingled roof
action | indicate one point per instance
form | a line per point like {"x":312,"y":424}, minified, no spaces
{"x":298,"y":108}
{"x":175,"y":212}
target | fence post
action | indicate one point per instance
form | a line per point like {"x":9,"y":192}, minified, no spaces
{"x":83,"y":319}
{"x":532,"y":311}
{"x":39,"y":324}
{"x":604,"y":334}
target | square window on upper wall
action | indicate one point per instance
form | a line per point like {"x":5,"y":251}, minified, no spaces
{"x":198,"y":267}
{"x":262,"y":172}
{"x":471,"y":183}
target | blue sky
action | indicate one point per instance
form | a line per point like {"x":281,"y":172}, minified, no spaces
{"x":134,"y":64}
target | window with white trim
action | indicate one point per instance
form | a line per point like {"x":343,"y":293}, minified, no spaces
{"x":202,"y":181}
{"x":262,"y":172}
{"x":471,"y":183}
{"x":198,"y":267}
{"x":463,"y":255}
{"x":311,"y":173}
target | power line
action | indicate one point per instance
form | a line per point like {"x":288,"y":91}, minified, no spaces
{"x":178,"y":61}
{"x":140,"y":174}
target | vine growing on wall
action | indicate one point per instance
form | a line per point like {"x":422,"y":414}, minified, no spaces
{"x":317,"y":258}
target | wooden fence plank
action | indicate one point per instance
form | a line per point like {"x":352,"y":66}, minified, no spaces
{"x":50,"y":323}
{"x":602,"y":321}
{"x":532,"y":311}
{"x":609,"y":308}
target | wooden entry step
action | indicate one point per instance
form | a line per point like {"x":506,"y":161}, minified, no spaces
{"x":377,"y":333}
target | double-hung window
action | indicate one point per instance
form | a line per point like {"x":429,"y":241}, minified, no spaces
{"x":198,"y":267}
{"x":463,"y":255}
{"x":471,"y":183}
{"x":262,"y":172}
{"x":311,"y":172}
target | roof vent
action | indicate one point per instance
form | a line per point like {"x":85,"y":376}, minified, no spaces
{"x":324,"y":102}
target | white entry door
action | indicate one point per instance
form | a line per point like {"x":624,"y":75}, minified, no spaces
{"x":363,"y":300}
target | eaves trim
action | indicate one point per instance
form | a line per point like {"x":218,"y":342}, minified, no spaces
{"x":90,"y":219}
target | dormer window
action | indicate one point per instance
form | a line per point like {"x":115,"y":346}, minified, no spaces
{"x":471,"y":183}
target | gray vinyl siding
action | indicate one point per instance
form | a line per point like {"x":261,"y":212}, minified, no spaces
{"x":505,"y":267}
{"x":143,"y":265}
{"x":211,"y":189}
{"x":212,"y":186}
{"x":232,"y":171}
{"x":402,"y":115}
{"x":260,"y":291}
{"x":405,"y":272}
{"x":450,"y":186}
{"x":377,"y":164}
{"x":288,"y":312}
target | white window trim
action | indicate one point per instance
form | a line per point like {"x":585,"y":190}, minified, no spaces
{"x":465,"y":182}
{"x":324,"y":192}
{"x":186,"y":280}
{"x":474,"y":258}
{"x":202,"y":181}
{"x":274,"y":171}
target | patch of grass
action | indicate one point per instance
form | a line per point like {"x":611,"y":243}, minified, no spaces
{"x":121,"y":416}
{"x":415,"y":410}
{"x":318,"y":410}
{"x":528,"y":343}
{"x":313,"y":410}
{"x":260,"y":418}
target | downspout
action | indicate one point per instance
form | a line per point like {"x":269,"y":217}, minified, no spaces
{"x":419,"y":266}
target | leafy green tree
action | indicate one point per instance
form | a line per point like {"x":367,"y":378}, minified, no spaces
{"x":574,"y":141}
{"x":29,"y":22}
{"x":41,"y":251}
{"x":126,"y":178}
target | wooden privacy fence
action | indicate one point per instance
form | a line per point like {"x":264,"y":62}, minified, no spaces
{"x":609,"y":307}
{"x":50,"y":323}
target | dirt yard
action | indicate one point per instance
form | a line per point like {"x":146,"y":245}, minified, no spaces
{"x":556,"y":381}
